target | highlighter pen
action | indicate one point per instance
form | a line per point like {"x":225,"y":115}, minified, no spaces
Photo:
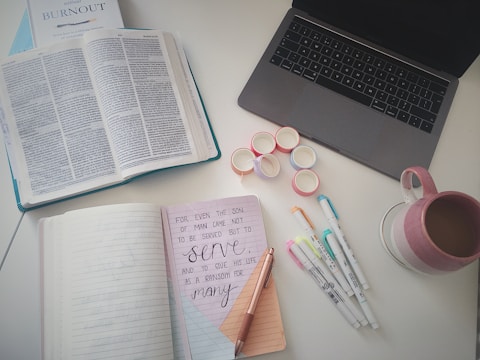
{"x":309,"y":252}
{"x":331,"y":243}
{"x":332,"y":218}
{"x":307,"y":226}
{"x":352,"y":280}
{"x":302,"y":261}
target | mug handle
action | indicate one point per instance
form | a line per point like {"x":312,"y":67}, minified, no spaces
{"x":406,"y":183}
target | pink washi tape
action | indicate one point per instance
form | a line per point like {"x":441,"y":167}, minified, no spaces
{"x":287,"y":139}
{"x":242,"y":161}
{"x":303,"y":157}
{"x":263,"y":143}
{"x":266,"y":166}
{"x":305,"y":182}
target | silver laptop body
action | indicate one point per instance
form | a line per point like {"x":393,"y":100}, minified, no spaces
{"x":373,"y":135}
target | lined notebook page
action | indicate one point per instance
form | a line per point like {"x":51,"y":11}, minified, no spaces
{"x":215,"y":248}
{"x":107,"y":273}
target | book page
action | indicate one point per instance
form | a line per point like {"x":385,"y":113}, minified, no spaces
{"x":196,"y":114}
{"x":215,"y":249}
{"x":105,"y":285}
{"x":142,"y":106}
{"x":72,"y":125}
{"x":53,"y":123}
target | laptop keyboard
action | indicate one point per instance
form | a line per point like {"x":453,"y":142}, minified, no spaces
{"x":361,"y":73}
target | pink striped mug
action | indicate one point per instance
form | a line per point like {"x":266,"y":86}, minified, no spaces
{"x":437,"y":233}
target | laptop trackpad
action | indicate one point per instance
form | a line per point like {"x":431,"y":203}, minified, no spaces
{"x":337,"y":122}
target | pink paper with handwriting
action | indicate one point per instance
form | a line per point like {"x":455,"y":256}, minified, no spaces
{"x":217,"y":250}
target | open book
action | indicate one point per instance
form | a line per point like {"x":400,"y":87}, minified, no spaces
{"x":93,"y":112}
{"x":111,"y":292}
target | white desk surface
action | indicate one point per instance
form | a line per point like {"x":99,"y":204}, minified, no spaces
{"x":421,"y":317}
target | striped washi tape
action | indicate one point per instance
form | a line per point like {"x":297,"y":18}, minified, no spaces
{"x":266,"y":166}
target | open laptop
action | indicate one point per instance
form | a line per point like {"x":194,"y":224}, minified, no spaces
{"x":372,"y":79}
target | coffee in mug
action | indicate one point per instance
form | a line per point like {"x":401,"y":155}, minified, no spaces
{"x":438,"y":232}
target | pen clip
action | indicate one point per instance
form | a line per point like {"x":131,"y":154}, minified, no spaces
{"x":301,"y":239}
{"x":330,"y":204}
{"x":292,"y":255}
{"x":307,"y":219}
{"x":269,"y":274}
{"x":325,"y":233}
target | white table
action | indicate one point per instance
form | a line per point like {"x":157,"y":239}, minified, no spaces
{"x":421,"y":317}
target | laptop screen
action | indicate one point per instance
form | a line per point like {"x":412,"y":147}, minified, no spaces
{"x":443,"y":34}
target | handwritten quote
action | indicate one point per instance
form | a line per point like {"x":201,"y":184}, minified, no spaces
{"x":216,"y":249}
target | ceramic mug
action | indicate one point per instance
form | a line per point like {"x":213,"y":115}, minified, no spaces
{"x":438,"y":232}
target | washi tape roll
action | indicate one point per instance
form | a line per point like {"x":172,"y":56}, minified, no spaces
{"x":305,"y":182}
{"x":242,"y":161}
{"x":266,"y":166}
{"x":263,"y":143}
{"x":287,"y":139}
{"x":303,"y":157}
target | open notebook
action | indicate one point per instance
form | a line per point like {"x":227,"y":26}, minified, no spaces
{"x":109,"y":291}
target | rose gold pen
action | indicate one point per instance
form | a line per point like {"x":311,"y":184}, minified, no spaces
{"x":262,"y":282}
